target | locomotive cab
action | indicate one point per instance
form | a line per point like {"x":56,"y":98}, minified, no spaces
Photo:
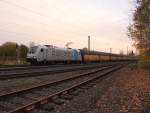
{"x":36,"y":54}
{"x":44,"y":54}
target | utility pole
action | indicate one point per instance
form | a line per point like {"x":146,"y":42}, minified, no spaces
{"x":110,"y":50}
{"x":110,"y":54}
{"x":88,"y":43}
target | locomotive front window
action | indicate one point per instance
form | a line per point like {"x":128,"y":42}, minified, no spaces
{"x":33,"y":49}
{"x":42,"y":49}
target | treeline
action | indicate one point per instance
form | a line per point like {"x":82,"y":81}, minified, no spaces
{"x":139,"y":31}
{"x":13,"y":51}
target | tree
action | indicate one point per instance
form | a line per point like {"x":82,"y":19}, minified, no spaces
{"x":12,"y":51}
{"x":139,"y":31}
{"x":8,"y":50}
{"x":23,"y":51}
{"x":85,"y":49}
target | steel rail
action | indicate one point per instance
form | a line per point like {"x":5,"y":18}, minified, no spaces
{"x":52,"y":83}
{"x":34,"y":67}
{"x":46,"y":99}
{"x":43,"y":72}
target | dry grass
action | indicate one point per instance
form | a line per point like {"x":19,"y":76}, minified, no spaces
{"x":12,"y":62}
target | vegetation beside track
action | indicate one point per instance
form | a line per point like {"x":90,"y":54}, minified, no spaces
{"x":139,"y":30}
{"x":12,"y":53}
{"x":142,"y":64}
{"x":13,"y":62}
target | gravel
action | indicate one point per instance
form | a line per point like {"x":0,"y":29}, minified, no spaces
{"x":37,"y":94}
{"x":16,"y":84}
{"x":125,"y":91}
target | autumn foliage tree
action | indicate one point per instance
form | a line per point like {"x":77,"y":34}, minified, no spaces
{"x":23,"y":51}
{"x":12,"y":51}
{"x":8,"y":50}
{"x":139,"y":31}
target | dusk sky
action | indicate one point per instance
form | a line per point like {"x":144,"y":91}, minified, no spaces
{"x":57,"y":22}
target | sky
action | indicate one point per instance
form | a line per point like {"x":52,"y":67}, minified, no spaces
{"x":56,"y":22}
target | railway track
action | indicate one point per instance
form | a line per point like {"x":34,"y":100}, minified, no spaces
{"x":28,"y":99}
{"x":26,"y":67}
{"x":29,"y":67}
{"x":45,"y":71}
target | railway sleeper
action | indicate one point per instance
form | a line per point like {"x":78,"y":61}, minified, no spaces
{"x":3,"y":108}
{"x":57,"y":101}
{"x":89,"y":85}
{"x":80,"y":90}
{"x":30,"y":97}
{"x":48,"y":107}
{"x":37,"y":111}
{"x":7,"y":105}
{"x":39,"y":93}
{"x":84,"y":87}
{"x":74,"y":93}
{"x":94,"y":83}
{"x":66,"y":96}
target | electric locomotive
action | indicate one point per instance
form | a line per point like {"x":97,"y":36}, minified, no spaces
{"x":51,"y":54}
{"x":44,"y":54}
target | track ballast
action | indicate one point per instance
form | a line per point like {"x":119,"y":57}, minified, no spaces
{"x":30,"y":98}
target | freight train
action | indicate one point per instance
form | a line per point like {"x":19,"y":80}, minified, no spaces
{"x":44,"y":54}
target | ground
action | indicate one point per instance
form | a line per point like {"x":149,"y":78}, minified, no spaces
{"x":129,"y":93}
{"x":124,"y":91}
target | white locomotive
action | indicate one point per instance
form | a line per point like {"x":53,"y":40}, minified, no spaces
{"x":51,"y":54}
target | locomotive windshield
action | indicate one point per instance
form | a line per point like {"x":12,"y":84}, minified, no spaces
{"x":33,"y":49}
